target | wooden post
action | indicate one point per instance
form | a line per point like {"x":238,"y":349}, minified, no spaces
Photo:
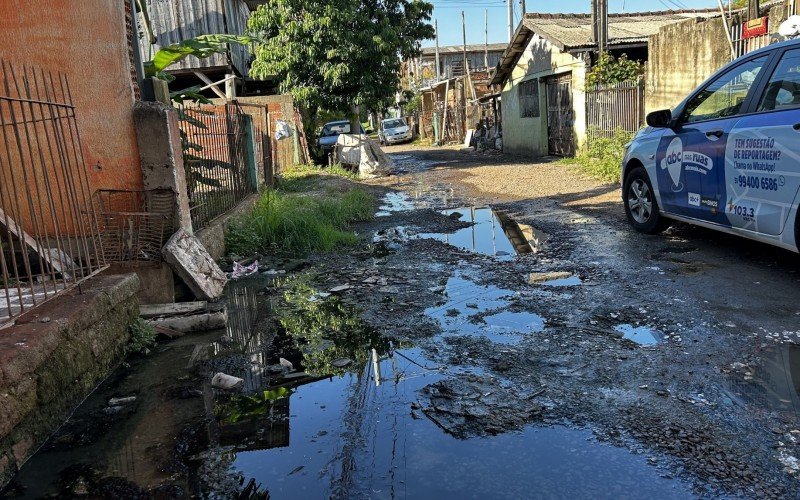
{"x":436,"y":28}
{"x":486,"y":39}
{"x":464,"y":33}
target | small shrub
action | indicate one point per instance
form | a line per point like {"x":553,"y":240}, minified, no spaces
{"x":602,"y":158}
{"x":143,"y":336}
{"x":608,"y":70}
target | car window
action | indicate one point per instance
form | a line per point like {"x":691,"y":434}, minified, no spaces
{"x":393,"y":124}
{"x":783,"y":89}
{"x":724,"y":96}
{"x":336,"y":129}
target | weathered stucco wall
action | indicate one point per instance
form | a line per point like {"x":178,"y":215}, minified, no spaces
{"x":87,"y":41}
{"x":685,"y":54}
{"x":54,"y":356}
{"x":682,"y":56}
{"x":528,"y":136}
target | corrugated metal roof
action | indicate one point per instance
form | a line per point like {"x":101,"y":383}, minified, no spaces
{"x":458,"y":49}
{"x":574,"y":32}
{"x":570,"y":31}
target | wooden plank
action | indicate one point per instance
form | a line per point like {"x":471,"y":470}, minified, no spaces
{"x":52,"y":256}
{"x":210,"y":84}
{"x":173,"y":309}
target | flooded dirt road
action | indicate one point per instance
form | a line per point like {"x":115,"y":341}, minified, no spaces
{"x":481,"y":342}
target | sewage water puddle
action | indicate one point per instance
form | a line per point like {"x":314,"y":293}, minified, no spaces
{"x":641,"y":335}
{"x":392,"y":202}
{"x":470,"y":308}
{"x":343,"y":423}
{"x":491,"y":233}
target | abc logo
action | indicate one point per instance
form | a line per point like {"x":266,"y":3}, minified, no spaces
{"x":674,"y":157}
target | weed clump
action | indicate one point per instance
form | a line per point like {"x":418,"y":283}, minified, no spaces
{"x":602,"y":157}
{"x":143,"y":336}
{"x":299,"y":224}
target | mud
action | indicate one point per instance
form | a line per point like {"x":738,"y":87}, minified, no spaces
{"x":597,"y":363}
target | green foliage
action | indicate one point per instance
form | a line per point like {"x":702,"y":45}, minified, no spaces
{"x":298,"y":224}
{"x":335,"y":54}
{"x":302,"y":178}
{"x":143,"y":335}
{"x":412,"y":105}
{"x":201,"y":47}
{"x":602,"y":158}
{"x":327,"y":330}
{"x":608,"y":71}
{"x":238,"y":408}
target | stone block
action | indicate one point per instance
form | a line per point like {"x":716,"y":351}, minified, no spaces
{"x":192,"y":263}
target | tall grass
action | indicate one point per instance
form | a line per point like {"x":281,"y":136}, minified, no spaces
{"x":298,"y":224}
{"x":301,"y":178}
{"x":602,"y":158}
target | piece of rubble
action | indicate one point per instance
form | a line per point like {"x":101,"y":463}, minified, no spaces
{"x":534,"y":278}
{"x":286,"y":363}
{"x":121,"y":401}
{"x":191,"y":262}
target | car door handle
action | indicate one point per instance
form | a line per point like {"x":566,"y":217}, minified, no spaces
{"x":714,"y":133}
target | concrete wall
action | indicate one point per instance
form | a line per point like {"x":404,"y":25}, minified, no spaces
{"x":54,"y":357}
{"x":683,"y":55}
{"x":528,"y":136}
{"x":87,"y":41}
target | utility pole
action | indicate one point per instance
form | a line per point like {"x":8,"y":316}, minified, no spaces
{"x":510,"y":20}
{"x":753,"y":10}
{"x":522,"y":6}
{"x":600,"y":24}
{"x":464,"y":32}
{"x":436,"y":29}
{"x":486,"y":39}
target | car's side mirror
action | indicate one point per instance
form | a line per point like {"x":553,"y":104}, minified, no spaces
{"x":659,"y":119}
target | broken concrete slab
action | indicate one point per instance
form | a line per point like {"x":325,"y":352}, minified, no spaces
{"x":192,"y":323}
{"x":193,"y":264}
{"x":534,"y":278}
{"x":172,"y":309}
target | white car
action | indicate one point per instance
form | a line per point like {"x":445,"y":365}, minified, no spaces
{"x":727,"y":157}
{"x":394,"y":131}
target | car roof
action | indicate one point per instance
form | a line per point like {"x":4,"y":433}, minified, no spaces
{"x":390,"y":119}
{"x":336,"y":122}
{"x":774,"y":46}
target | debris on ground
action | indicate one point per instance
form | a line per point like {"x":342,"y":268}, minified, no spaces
{"x":228,"y":382}
{"x":192,"y":263}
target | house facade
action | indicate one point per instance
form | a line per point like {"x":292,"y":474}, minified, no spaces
{"x":542,"y":74}
{"x":422,"y":69}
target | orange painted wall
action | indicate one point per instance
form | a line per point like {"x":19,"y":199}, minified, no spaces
{"x":87,"y":41}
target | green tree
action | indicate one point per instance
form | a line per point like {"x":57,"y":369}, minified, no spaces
{"x":338,"y":54}
{"x":608,"y":70}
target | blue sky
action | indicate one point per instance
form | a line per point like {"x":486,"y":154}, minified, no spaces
{"x":448,"y":13}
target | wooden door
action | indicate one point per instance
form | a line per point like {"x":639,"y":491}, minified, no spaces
{"x":560,"y":115}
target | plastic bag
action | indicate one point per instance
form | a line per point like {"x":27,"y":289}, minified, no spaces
{"x":790,"y":28}
{"x":282,"y":130}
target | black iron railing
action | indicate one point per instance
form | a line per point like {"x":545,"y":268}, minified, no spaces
{"x":48,"y":227}
{"x":216,"y":151}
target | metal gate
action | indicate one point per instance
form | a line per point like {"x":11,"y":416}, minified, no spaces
{"x":615,"y":107}
{"x":560,"y":115}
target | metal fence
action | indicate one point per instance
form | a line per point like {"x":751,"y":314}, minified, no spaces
{"x":48,"y":227}
{"x":215,"y":143}
{"x":610,"y":108}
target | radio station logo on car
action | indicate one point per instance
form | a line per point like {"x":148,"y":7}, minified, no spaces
{"x":676,"y":160}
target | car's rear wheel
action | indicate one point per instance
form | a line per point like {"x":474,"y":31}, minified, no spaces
{"x":640,"y":202}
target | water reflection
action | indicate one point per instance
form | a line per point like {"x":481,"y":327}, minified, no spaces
{"x":773,"y":381}
{"x":641,"y":335}
{"x":469,"y":309}
{"x":490,"y":233}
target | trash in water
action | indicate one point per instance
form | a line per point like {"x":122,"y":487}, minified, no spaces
{"x":240,"y":271}
{"x":641,"y":335}
{"x":227,"y":382}
{"x":545,"y":277}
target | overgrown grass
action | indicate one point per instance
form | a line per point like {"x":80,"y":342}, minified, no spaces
{"x":293,"y":223}
{"x":302,"y":178}
{"x":602,"y":159}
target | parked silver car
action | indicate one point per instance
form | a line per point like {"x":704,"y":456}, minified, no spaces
{"x":394,"y":131}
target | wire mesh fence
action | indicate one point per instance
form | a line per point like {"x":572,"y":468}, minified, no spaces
{"x":49,"y":239}
{"x":134,"y":224}
{"x":215,"y":154}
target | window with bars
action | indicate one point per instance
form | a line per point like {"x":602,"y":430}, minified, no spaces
{"x":529,"y":99}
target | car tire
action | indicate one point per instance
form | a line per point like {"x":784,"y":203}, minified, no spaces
{"x":641,"y":206}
